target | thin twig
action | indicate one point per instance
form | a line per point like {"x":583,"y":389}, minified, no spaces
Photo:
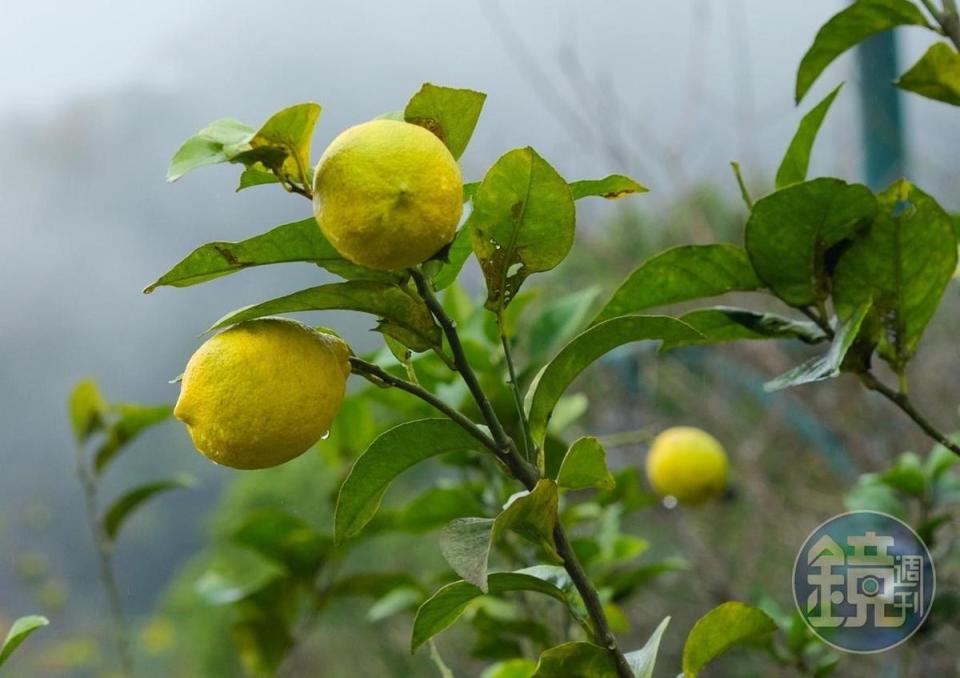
{"x":529,"y":448}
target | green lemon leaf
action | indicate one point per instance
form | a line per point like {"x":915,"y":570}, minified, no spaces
{"x":121,"y":509}
{"x":829,"y":365}
{"x":87,"y":409}
{"x":906,"y":475}
{"x":18,"y":633}
{"x":449,"y":113}
{"x":903,"y":264}
{"x":625,"y":582}
{"x":872,"y":494}
{"x":455,"y":257}
{"x":557,"y":322}
{"x":584,"y":349}
{"x":848,"y":28}
{"x":522,"y":222}
{"x":390,"y":454}
{"x":791,"y":232}
{"x":465,"y":544}
{"x":282,"y":144}
{"x":402,"y":316}
{"x":577,"y":658}
{"x":643,"y":661}
{"x":256,"y":175}
{"x":283,"y":538}
{"x":585,"y":465}
{"x":681,"y":274}
{"x":936,"y":75}
{"x":722,"y":324}
{"x":731,"y":624}
{"x":445,"y":606}
{"x":294,"y":242}
{"x":436,"y":507}
{"x":793,"y":167}
{"x":129,"y":421}
{"x":612,"y":187}
{"x":219,"y":142}
{"x":511,"y":668}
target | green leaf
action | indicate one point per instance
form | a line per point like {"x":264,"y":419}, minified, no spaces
{"x":402,"y":599}
{"x":829,"y":365}
{"x":18,"y":633}
{"x":87,"y":409}
{"x":401,"y":315}
{"x":613,"y":187}
{"x":284,"y":538}
{"x":121,"y":509}
{"x":557,"y":323}
{"x":445,"y":606}
{"x":390,"y":454}
{"x":465,"y":544}
{"x":642,"y":661}
{"x":791,"y":232}
{"x":282,"y":144}
{"x":449,"y":113}
{"x":793,"y":167}
{"x":906,"y":475}
{"x":936,"y":75}
{"x":578,"y":658}
{"x":848,"y":28}
{"x":131,"y":420}
{"x":219,"y":142}
{"x":903,"y":263}
{"x":624,"y":583}
{"x":585,"y":465}
{"x":511,"y":668}
{"x":940,"y":460}
{"x":438,"y":506}
{"x":681,"y":274}
{"x":456,"y":256}
{"x":583,"y":350}
{"x":871,"y":494}
{"x":297,"y":241}
{"x":722,"y":324}
{"x":256,"y":175}
{"x":522,"y":222}
{"x":731,"y":624}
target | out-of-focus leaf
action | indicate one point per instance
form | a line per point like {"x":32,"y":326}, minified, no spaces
{"x":578,"y":658}
{"x":940,"y":460}
{"x":585,"y":465}
{"x":642,"y":661}
{"x":121,"y":509}
{"x":511,"y":668}
{"x":438,"y":506}
{"x":722,"y":324}
{"x":612,"y":187}
{"x":390,"y":454}
{"x":449,"y":113}
{"x":731,"y":624}
{"x":681,"y":274}
{"x":848,"y":28}
{"x":903,"y":263}
{"x":558,"y":322}
{"x":284,"y":538}
{"x":936,"y":75}
{"x":402,"y":599}
{"x":402,"y":316}
{"x":624,"y":583}
{"x":870,"y":494}
{"x":522,"y":222}
{"x":219,"y":142}
{"x":793,"y":167}
{"x":87,"y":409}
{"x":906,"y":475}
{"x":294,"y":242}
{"x":131,"y":420}
{"x":18,"y":633}
{"x":826,"y":366}
{"x":583,"y":350}
{"x":445,"y":606}
{"x":791,"y":231}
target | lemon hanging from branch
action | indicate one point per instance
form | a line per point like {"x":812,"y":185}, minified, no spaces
{"x":262,"y":392}
{"x":387,"y":194}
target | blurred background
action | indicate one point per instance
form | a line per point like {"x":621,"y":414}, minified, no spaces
{"x":98,"y":95}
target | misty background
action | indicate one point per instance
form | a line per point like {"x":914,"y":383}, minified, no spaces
{"x":97,"y":96}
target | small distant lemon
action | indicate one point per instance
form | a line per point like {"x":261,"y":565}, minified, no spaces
{"x":687,"y":463}
{"x":387,"y":194}
{"x":262,"y":392}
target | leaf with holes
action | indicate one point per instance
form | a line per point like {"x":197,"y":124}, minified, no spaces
{"x":848,"y":28}
{"x":681,"y":274}
{"x":522,"y":222}
{"x":936,"y":75}
{"x":903,"y":264}
{"x":793,"y":235}
{"x":402,"y":315}
{"x":553,"y":380}
{"x":449,"y":113}
{"x":793,"y":167}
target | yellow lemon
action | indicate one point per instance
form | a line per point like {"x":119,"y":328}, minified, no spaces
{"x":687,"y":463}
{"x":387,"y":194}
{"x":262,"y":392}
